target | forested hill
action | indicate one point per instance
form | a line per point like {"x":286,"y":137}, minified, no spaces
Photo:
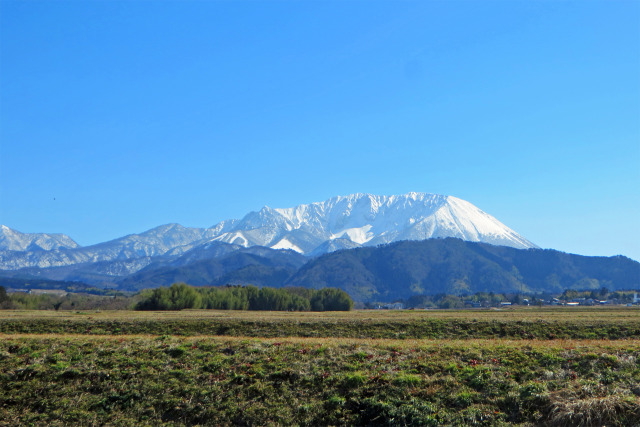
{"x":402,"y":269}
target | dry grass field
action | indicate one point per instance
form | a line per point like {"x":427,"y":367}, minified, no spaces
{"x":523,"y":323}
{"x":473,"y":367}
{"x":604,"y":313}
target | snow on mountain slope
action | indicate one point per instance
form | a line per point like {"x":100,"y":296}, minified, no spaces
{"x":341,"y":222}
{"x":154,"y":242}
{"x":12,"y":240}
{"x":365,"y":219}
{"x":286,"y":244}
{"x":333,"y":245}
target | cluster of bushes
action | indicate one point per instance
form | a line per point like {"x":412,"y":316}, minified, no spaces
{"x":181,"y":296}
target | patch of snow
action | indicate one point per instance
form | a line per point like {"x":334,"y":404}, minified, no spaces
{"x":360,"y":235}
{"x":286,"y":244}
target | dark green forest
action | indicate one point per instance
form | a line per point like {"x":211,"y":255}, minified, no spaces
{"x":455,"y":267}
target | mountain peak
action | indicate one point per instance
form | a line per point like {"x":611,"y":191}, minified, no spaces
{"x":367,"y":219}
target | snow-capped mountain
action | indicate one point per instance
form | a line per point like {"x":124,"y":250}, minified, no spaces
{"x":342,"y":222}
{"x":12,"y":240}
{"x":368,"y":220}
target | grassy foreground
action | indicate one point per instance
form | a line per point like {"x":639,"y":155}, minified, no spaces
{"x":65,"y":378}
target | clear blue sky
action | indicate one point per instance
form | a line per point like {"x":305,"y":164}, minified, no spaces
{"x":116,"y":117}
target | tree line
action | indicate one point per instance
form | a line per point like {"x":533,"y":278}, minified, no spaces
{"x":68,"y":301}
{"x":181,"y":296}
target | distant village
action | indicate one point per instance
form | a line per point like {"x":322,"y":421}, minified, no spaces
{"x":567,"y":299}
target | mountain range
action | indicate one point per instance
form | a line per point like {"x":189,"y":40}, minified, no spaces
{"x":276,"y":247}
{"x":310,"y":229}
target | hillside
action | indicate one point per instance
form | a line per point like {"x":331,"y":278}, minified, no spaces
{"x":402,"y":269}
{"x":255,"y":266}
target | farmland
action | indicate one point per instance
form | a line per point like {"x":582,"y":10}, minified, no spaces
{"x":532,"y":323}
{"x":564,"y":366}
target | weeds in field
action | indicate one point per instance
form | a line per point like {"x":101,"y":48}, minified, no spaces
{"x":568,"y":408}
